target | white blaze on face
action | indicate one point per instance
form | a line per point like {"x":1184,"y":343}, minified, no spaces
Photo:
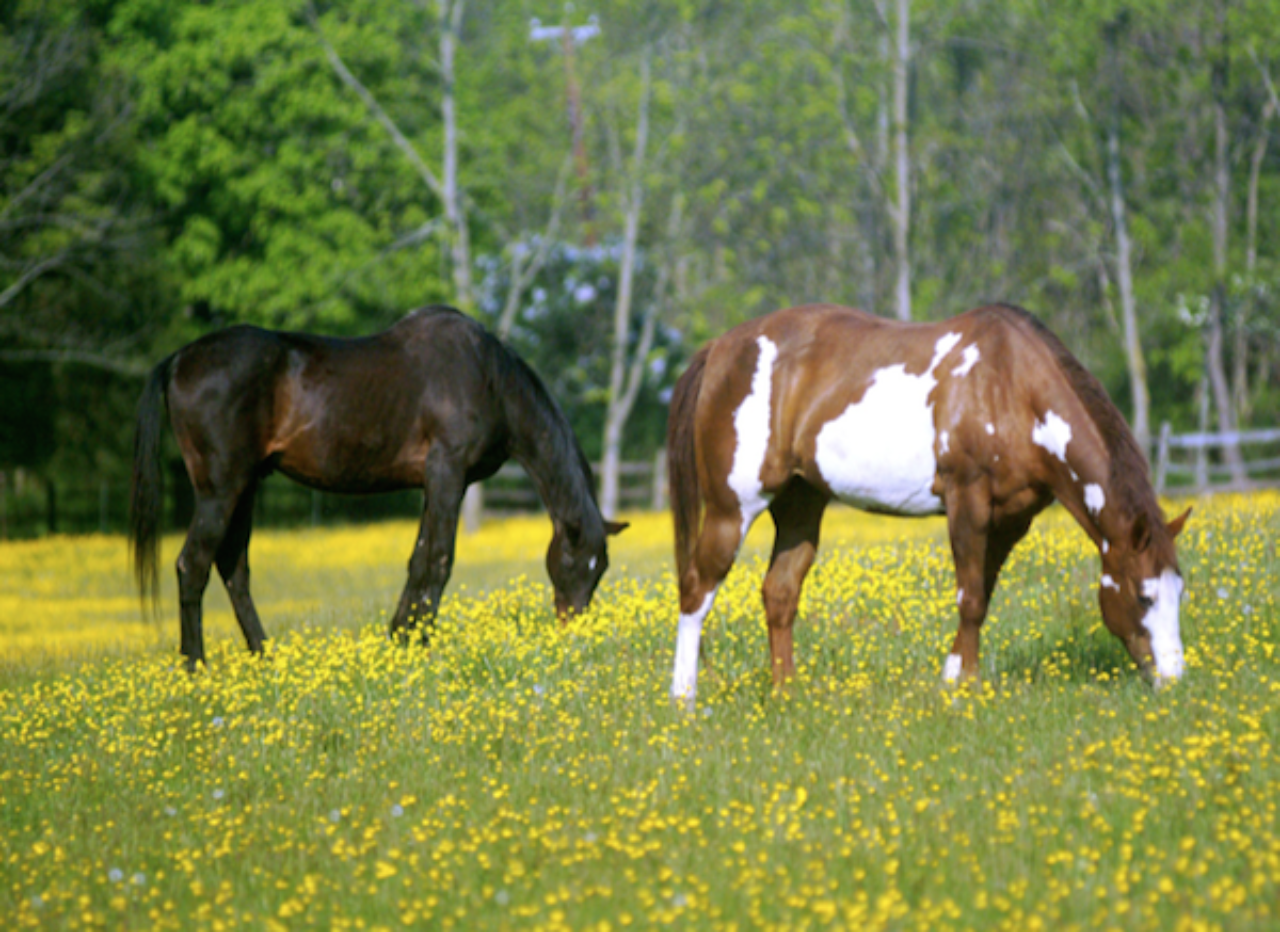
{"x":751,"y":424}
{"x":1161,"y":622}
{"x":1094,"y":498}
{"x":1053,"y":434}
{"x":684,"y":678}
{"x":970,"y":359}
{"x":880,"y":451}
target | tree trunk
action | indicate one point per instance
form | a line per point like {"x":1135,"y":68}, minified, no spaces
{"x":1240,"y":350}
{"x":901,"y":210}
{"x":459,"y":236}
{"x":622,"y":395}
{"x":1134,"y":358}
{"x":1214,"y":338}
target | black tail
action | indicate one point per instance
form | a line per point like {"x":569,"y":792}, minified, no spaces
{"x":682,"y":461}
{"x":147,"y":502}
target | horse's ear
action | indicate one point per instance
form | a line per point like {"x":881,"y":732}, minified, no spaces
{"x":616,"y":527}
{"x":1175,"y":526}
{"x":1141,"y":533}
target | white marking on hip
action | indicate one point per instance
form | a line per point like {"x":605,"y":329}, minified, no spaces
{"x":684,"y":676}
{"x":751,"y":423}
{"x":1108,"y":582}
{"x":879,"y":452}
{"x":1161,"y":622}
{"x":1053,"y":434}
{"x":951,"y":669}
{"x":1094,"y":498}
{"x":971,"y":357}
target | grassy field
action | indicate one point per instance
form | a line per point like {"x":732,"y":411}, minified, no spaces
{"x":519,"y":775}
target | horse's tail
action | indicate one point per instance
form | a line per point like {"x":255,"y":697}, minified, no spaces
{"x":147,"y":500}
{"x":682,"y":461}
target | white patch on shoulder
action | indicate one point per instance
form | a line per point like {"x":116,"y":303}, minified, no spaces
{"x":971,"y":357}
{"x":951,"y":669}
{"x":944,"y":442}
{"x":751,"y":423}
{"x":1161,"y":622}
{"x":1053,"y":433}
{"x":684,"y":677}
{"x":1109,"y":583}
{"x":1094,"y":498}
{"x":880,"y":452}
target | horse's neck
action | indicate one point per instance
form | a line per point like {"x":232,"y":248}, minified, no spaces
{"x":1083,"y":485}
{"x":554,"y":465}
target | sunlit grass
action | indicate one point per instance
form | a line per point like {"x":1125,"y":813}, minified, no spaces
{"x":521,"y":775}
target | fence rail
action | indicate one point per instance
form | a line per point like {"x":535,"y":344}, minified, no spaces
{"x":1208,"y":462}
{"x":30,"y":507}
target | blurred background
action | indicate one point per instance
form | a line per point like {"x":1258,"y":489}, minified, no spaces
{"x":608,"y":184}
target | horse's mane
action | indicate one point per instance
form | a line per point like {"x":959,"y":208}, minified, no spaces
{"x":1128,"y":480}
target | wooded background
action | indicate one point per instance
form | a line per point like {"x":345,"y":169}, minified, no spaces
{"x":609,"y":184}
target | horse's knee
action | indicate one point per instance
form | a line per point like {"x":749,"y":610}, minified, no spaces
{"x":781,"y":596}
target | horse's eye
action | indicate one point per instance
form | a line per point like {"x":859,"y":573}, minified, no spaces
{"x":1145,"y":601}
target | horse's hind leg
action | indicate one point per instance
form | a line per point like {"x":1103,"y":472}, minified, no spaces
{"x":204,"y":538}
{"x":797,"y":517}
{"x":233,"y":565}
{"x":713,"y":557}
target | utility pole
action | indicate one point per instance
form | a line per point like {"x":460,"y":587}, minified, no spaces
{"x":570,"y":37}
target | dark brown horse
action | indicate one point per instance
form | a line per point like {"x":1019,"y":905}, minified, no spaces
{"x":986,"y":418}
{"x":436,"y":402}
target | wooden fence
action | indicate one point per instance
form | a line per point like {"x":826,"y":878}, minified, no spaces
{"x":32,"y":507}
{"x":1197,"y":462}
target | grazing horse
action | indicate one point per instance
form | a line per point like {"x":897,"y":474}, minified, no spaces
{"x":436,"y":402}
{"x":986,"y":418}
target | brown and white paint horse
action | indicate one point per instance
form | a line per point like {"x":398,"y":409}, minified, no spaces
{"x":986,"y":418}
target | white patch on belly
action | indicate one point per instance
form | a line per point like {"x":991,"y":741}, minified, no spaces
{"x":1161,"y":622}
{"x":751,"y":423}
{"x":879,"y":452}
{"x":971,"y":357}
{"x":1094,"y":498}
{"x":1109,"y":583}
{"x":1053,"y":434}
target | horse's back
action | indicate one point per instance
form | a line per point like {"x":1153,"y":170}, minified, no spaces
{"x":345,"y":414}
{"x":867,"y":409}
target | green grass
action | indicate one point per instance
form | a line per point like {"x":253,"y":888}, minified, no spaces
{"x":518,"y":775}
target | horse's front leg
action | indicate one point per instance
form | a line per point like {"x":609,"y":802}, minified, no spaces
{"x":432,"y":560}
{"x":968,"y":521}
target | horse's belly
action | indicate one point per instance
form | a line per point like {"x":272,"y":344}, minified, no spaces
{"x":879,"y":454}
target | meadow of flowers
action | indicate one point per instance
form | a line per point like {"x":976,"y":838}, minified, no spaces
{"x":520,"y":775}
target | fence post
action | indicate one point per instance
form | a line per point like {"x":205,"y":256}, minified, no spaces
{"x":1162,"y":456}
{"x":659,"y":502}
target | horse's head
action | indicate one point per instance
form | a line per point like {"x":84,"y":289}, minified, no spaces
{"x":1140,"y":595}
{"x":576,"y":560}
